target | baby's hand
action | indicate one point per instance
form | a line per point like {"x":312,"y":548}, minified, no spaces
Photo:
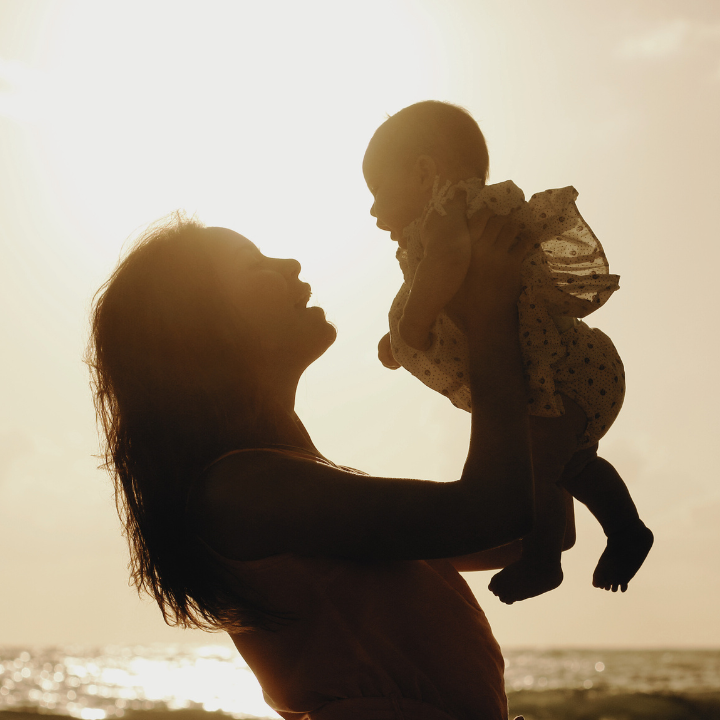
{"x":385,"y":353}
{"x":416,"y":335}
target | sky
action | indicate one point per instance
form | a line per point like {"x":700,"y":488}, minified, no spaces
{"x":255,"y":116}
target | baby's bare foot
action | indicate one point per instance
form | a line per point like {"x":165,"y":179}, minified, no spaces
{"x":625,"y":552}
{"x":524,"y":579}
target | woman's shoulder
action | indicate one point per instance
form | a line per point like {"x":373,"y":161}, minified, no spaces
{"x":224,"y":501}
{"x":267,"y":453}
{"x":269,"y":458}
{"x":242,"y":499}
{"x":249,"y":471}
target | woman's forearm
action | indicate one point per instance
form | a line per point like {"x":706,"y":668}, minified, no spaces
{"x":499,"y":462}
{"x":498,"y":471}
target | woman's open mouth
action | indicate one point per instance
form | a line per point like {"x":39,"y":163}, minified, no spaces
{"x":304,"y":297}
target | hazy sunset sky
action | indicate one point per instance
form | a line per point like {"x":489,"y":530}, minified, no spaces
{"x":255,"y":115}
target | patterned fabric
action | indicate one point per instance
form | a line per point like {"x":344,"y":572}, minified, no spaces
{"x":565,"y":276}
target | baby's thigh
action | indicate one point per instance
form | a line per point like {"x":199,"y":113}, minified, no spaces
{"x":592,"y":374}
{"x":555,"y":440}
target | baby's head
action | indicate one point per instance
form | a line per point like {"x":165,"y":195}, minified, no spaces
{"x":410,"y":149}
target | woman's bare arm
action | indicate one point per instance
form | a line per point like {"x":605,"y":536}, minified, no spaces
{"x":256,"y":504}
{"x":500,"y":557}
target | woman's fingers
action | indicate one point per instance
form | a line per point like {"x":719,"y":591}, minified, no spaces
{"x":498,"y":253}
{"x":502,"y":232}
{"x":506,"y":238}
{"x":494,"y":277}
{"x":514,"y":239}
{"x":494,"y":228}
{"x":496,"y":239}
{"x":478,"y":222}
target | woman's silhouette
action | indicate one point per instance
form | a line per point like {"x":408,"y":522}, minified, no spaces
{"x":336,"y":587}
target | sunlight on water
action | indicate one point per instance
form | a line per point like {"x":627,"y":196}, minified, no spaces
{"x":613,"y":670}
{"x":100,"y":684}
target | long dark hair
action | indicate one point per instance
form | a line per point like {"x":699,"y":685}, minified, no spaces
{"x":174,"y":384}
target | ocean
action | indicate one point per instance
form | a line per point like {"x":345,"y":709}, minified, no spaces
{"x":108,"y":682}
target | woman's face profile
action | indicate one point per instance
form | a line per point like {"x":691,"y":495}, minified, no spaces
{"x":271,"y":301}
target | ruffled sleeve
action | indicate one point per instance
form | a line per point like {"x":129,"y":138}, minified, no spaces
{"x":567,"y":263}
{"x":565,"y":274}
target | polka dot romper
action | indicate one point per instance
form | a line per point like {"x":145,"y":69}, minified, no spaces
{"x":565,"y":277}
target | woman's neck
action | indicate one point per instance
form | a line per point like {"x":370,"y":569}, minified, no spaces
{"x":275,"y":422}
{"x":290,"y":431}
{"x":279,"y":425}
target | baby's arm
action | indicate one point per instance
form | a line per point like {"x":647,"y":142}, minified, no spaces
{"x":447,"y":246}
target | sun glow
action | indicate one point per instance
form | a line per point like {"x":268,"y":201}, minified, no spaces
{"x":253,"y":115}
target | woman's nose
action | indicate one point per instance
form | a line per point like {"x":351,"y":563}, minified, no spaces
{"x":288,"y":267}
{"x":291,"y":266}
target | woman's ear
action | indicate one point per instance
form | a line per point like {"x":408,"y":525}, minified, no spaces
{"x":427,"y":171}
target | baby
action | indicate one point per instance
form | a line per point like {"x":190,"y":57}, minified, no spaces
{"x":427,"y":167}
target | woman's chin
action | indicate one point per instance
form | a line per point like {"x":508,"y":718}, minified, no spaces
{"x":331,"y":332}
{"x":329,"y":336}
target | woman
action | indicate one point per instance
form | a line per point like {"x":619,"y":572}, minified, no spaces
{"x":335,"y":586}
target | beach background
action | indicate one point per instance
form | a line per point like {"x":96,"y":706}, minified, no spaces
{"x":184,"y":682}
{"x":255,"y":116}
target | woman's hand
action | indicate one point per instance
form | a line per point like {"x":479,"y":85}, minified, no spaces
{"x":493,"y":279}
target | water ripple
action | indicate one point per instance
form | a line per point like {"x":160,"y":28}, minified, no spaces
{"x":103,"y":683}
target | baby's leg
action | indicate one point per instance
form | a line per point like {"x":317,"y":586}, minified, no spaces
{"x":554,"y":441}
{"x":596,"y":483}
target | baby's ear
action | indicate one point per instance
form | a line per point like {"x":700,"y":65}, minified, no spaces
{"x":426,"y":168}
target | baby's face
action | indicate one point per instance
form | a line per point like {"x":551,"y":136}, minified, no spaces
{"x":398,"y":193}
